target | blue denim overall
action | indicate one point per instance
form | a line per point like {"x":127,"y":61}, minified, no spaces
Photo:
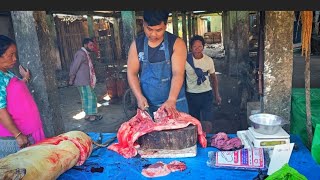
{"x":155,"y":80}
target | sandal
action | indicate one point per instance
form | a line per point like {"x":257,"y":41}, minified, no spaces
{"x":96,"y":118}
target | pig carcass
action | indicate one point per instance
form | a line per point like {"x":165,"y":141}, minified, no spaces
{"x":49,"y":158}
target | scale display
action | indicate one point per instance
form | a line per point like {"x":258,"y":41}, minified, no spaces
{"x":251,"y":139}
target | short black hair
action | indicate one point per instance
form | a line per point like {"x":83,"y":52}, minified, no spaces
{"x":196,"y":37}
{"x":86,"y":41}
{"x":5,"y":42}
{"x":155,"y":17}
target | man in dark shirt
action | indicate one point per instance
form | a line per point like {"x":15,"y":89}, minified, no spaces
{"x":156,"y":66}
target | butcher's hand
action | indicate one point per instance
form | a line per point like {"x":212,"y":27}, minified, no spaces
{"x":23,"y":141}
{"x":170,"y":107}
{"x":142,"y":103}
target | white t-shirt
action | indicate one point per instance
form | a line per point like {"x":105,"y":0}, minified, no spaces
{"x":207,"y":65}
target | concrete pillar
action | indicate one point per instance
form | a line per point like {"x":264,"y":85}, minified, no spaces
{"x":175,"y":21}
{"x":129,"y":30}
{"x":36,"y":52}
{"x":278,"y":63}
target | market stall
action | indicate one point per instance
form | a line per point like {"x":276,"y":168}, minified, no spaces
{"x":107,"y":164}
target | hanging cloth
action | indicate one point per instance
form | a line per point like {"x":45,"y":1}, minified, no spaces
{"x":201,"y":75}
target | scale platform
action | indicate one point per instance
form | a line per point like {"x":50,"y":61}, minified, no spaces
{"x":251,"y":138}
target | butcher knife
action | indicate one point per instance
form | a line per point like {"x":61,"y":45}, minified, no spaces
{"x":106,"y":144}
{"x":146,"y":109}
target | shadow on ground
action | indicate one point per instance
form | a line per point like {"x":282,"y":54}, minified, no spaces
{"x":113,"y":115}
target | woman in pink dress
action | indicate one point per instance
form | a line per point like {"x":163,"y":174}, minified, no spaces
{"x":20,"y":121}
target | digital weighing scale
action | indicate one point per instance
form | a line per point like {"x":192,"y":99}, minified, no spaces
{"x":251,"y":138}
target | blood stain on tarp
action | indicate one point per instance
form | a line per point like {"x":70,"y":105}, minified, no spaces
{"x":99,"y":169}
{"x":146,"y":165}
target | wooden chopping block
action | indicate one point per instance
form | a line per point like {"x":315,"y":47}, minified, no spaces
{"x":173,"y":139}
{"x":164,"y":153}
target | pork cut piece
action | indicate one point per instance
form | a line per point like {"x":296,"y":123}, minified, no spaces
{"x":142,"y":123}
{"x":161,"y":169}
{"x":222,"y":142}
{"x":177,"y":166}
{"x":156,"y":170}
{"x":232,"y":144}
{"x":219,"y":139}
{"x":49,"y":158}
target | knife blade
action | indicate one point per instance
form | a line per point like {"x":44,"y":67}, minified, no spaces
{"x":106,"y":144}
{"x":146,"y":109}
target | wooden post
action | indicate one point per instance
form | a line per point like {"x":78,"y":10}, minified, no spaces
{"x":36,"y":52}
{"x":195,"y":25}
{"x":175,"y":21}
{"x":226,"y":38}
{"x":238,"y":50}
{"x":91,"y":33}
{"x":90,"y":26}
{"x":236,"y":40}
{"x":115,"y":22}
{"x":316,"y":23}
{"x":129,"y":30}
{"x":309,"y":126}
{"x":53,"y":33}
{"x":189,"y":26}
{"x":307,"y":23}
{"x":184,"y":27}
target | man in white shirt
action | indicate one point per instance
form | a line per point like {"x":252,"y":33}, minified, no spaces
{"x":199,"y":68}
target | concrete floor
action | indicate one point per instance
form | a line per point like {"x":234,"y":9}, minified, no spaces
{"x":73,"y":116}
{"x":224,"y":121}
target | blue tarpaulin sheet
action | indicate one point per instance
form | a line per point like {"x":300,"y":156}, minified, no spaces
{"x":117,"y":167}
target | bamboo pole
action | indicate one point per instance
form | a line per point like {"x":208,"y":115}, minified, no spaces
{"x":307,"y":18}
